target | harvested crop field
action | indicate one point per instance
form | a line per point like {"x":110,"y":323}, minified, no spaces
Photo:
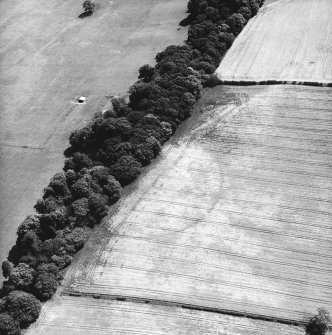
{"x":64,"y":316}
{"x":287,"y":41}
{"x":235,"y":215}
{"x":49,"y":57}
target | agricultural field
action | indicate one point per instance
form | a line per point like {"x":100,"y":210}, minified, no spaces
{"x":287,"y":41}
{"x":234,"y":216}
{"x":49,"y":57}
{"x":64,"y":316}
{"x":228,"y":231}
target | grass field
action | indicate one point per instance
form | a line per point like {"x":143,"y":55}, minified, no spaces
{"x":287,"y":41}
{"x":49,"y":57}
{"x":101,"y":317}
{"x":235,"y":216}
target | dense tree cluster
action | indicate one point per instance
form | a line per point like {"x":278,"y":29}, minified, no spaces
{"x":74,"y":201}
{"x":109,"y":153}
{"x":89,"y":7}
{"x":319,"y":323}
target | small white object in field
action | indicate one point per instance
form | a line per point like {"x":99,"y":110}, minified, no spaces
{"x":81,"y":100}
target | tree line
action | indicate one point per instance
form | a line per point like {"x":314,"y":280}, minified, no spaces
{"x":109,"y":153}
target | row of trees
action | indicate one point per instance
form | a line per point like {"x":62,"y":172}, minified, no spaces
{"x":109,"y":153}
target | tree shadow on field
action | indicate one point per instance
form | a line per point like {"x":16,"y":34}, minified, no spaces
{"x":85,"y":14}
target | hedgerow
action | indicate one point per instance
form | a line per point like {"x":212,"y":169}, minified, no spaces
{"x":110,"y":153}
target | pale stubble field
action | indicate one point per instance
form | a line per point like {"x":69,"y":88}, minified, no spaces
{"x":289,"y":40}
{"x":234,"y":216}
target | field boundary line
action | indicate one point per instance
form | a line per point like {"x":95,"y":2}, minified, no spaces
{"x":169,"y":303}
{"x":271,"y":82}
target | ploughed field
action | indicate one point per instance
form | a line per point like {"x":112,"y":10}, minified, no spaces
{"x":88,"y":316}
{"x":235,"y":216}
{"x":289,"y":40}
{"x":49,"y":57}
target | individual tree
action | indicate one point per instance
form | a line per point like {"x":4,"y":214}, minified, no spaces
{"x":203,"y":66}
{"x":30,"y":223}
{"x":22,"y":276}
{"x":223,"y":28}
{"x":112,"y":149}
{"x":167,"y":129}
{"x":79,"y":207}
{"x":245,"y":11}
{"x":142,"y":132}
{"x":81,"y":188}
{"x":77,"y":237}
{"x":50,"y":223}
{"x":212,"y":14}
{"x":89,"y":6}
{"x":59,"y":184}
{"x":196,"y":6}
{"x":126,"y":169}
{"x":48,"y":267}
{"x":100,"y":174}
{"x":79,"y":139}
{"x":71,"y":177}
{"x":6,"y":269}
{"x":254,"y":6}
{"x":144,"y":153}
{"x":78,"y":162}
{"x":227,"y":38}
{"x":146,"y":72}
{"x":236,"y":22}
{"x":23,"y":307}
{"x":154,"y":144}
{"x":120,"y":108}
{"x":48,"y":204}
{"x":97,"y":209}
{"x":52,"y":200}
{"x":123,"y":127}
{"x":187,"y":103}
{"x":319,"y":323}
{"x":135,"y":117}
{"x":141,"y":90}
{"x":8,"y":325}
{"x":107,"y":128}
{"x":30,"y":243}
{"x":45,"y":285}
{"x":78,"y":212}
{"x":62,"y":261}
{"x":29,"y":259}
{"x":112,"y":189}
{"x":2,"y":304}
{"x":7,"y":287}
